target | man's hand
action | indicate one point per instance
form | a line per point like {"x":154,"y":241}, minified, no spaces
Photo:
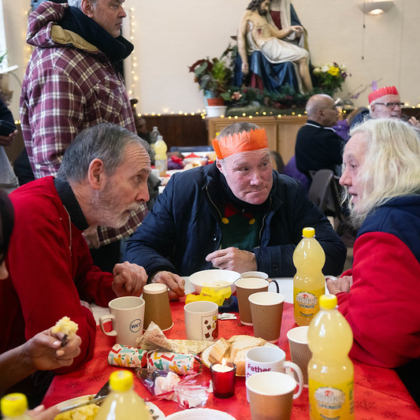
{"x":245,"y":68}
{"x":414,"y":122}
{"x":7,"y":140}
{"x":233,"y":259}
{"x":175,"y":283}
{"x":40,"y":413}
{"x":44,"y":351}
{"x":129,"y":279}
{"x":342,"y":284}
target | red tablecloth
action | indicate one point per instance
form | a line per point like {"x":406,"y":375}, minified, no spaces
{"x":379,"y":393}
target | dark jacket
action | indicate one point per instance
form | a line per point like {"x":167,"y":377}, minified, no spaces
{"x":318,"y":147}
{"x":185,"y":226}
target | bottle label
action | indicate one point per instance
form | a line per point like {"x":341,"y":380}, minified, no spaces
{"x":331,"y":402}
{"x":307,"y":303}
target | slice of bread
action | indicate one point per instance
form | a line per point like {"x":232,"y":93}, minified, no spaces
{"x":219,"y":351}
{"x":242,"y":344}
{"x":240,"y":360}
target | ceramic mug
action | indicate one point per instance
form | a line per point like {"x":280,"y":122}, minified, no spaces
{"x":127,"y":317}
{"x":201,"y":320}
{"x":269,"y":359}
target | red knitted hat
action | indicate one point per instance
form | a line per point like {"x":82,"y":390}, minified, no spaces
{"x":387,"y":90}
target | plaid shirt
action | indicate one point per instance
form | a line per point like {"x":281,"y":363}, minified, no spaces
{"x":69,"y":85}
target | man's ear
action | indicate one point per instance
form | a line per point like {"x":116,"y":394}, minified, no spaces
{"x":219,"y":165}
{"x":96,"y":174}
{"x":87,"y":8}
{"x":372,"y":109}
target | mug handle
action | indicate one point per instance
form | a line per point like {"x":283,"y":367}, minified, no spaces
{"x":298,"y":372}
{"x":272,"y":281}
{"x":105,"y":318}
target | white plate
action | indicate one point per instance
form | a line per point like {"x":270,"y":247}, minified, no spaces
{"x":155,"y":412}
{"x":200,"y":414}
{"x":206,"y":352}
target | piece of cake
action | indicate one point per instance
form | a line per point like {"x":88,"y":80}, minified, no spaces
{"x":66,"y":326}
{"x":219,"y":351}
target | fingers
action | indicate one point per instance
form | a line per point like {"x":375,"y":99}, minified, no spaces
{"x":175,"y":283}
{"x":129,"y":279}
{"x":71,"y":351}
{"x":6,"y":140}
{"x":40,"y":413}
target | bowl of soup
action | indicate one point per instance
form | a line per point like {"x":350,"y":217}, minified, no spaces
{"x":216,"y":279}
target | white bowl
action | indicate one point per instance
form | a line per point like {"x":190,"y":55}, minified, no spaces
{"x":216,"y":279}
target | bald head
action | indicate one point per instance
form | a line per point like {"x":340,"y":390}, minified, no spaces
{"x":322,"y":109}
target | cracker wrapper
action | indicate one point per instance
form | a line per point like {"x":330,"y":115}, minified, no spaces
{"x":181,"y":364}
{"x":125,"y":356}
{"x":189,"y":346}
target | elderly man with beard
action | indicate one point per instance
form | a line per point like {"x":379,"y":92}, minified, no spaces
{"x":237,"y":214}
{"x":101,"y":181}
{"x":257,"y":33}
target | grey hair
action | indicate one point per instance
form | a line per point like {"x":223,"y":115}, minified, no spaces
{"x":78,"y":3}
{"x":238,"y":127}
{"x":104,"y":141}
{"x":391,"y":167}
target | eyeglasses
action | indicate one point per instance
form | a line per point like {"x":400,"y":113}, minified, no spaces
{"x":390,"y":105}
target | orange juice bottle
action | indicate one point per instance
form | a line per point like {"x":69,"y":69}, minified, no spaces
{"x":123,"y":403}
{"x":330,"y":371}
{"x":161,"y":159}
{"x":309,"y":282}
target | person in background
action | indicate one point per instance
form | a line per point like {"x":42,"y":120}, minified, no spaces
{"x":101,"y":181}
{"x":71,"y":83}
{"x":380,"y":295}
{"x":384,"y":103}
{"x":41,"y":352}
{"x":318,"y":146}
{"x":8,"y":179}
{"x":236,"y":214}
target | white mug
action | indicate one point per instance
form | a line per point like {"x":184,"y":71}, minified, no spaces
{"x":201,"y":321}
{"x":127,"y":317}
{"x":270,"y":359}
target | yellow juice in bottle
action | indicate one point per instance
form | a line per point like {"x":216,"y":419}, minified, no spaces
{"x":123,"y":403}
{"x":308,"y":282}
{"x":330,"y":370}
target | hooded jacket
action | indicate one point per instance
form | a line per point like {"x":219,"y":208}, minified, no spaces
{"x":382,"y":306}
{"x":71,"y":83}
{"x":184,"y":226}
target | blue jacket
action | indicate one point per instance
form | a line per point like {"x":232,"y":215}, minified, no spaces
{"x":184,"y":226}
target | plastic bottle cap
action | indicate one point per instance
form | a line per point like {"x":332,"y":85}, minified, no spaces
{"x":160,"y":138}
{"x":328,"y":301}
{"x":308,"y":232}
{"x":14,"y":405}
{"x":121,"y":380}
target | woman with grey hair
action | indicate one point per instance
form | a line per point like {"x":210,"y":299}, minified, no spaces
{"x":380,"y":295}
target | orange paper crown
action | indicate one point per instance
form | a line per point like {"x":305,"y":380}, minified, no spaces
{"x":387,"y":90}
{"x":240,"y":142}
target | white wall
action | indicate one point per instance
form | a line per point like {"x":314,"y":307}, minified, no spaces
{"x":170,"y":35}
